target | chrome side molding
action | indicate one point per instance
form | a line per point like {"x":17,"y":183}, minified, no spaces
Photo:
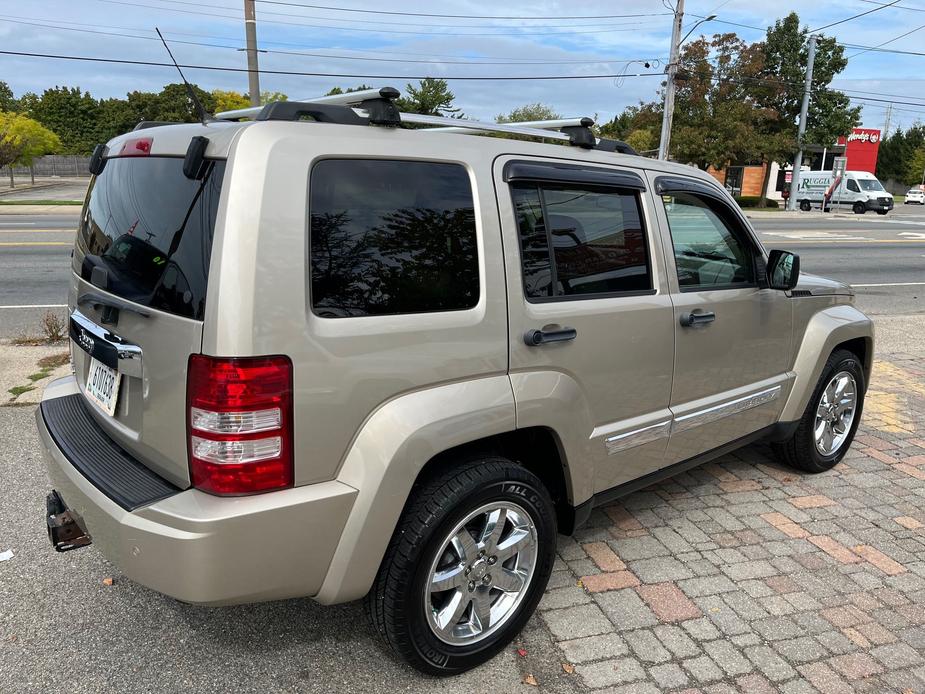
{"x":653,"y":432}
{"x":637,"y":437}
{"x":726,"y":409}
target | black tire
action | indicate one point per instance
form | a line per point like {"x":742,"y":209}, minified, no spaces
{"x":805,"y":205}
{"x":799,"y":451}
{"x":395,"y":606}
{"x":859,"y":208}
{"x":882,"y":211}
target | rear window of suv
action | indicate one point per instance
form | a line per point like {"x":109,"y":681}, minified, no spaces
{"x":150,"y":228}
{"x":390,"y":237}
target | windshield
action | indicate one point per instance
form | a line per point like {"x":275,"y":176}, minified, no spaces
{"x":869,"y":184}
{"x":149,"y":229}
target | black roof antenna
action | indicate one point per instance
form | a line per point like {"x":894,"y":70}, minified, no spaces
{"x":204,"y":116}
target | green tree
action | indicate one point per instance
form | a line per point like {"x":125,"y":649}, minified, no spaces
{"x":229,"y":100}
{"x":271,"y":97}
{"x":71,"y":114}
{"x":780,"y":90}
{"x":529,"y":112}
{"x":7,"y":99}
{"x":432,"y":97}
{"x":22,"y":139}
{"x":895,"y":155}
{"x":915,"y":169}
{"x":349,"y":90}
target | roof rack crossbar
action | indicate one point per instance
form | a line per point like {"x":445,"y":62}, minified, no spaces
{"x":541,"y":124}
{"x":350,"y":99}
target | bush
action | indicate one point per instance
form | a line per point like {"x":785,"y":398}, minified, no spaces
{"x":753,"y":200}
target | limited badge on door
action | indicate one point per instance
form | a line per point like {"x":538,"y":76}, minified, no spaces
{"x":103,"y":386}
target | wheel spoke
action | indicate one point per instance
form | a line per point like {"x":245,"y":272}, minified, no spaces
{"x":464,"y":546}
{"x":481,"y":609}
{"x":819,"y":431}
{"x":453,"y":577}
{"x":840,"y":386}
{"x":509,"y":581}
{"x":519,"y":539}
{"x":494,"y":526}
{"x":449,"y":616}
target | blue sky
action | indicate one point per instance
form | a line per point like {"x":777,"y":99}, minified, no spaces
{"x":357,"y":43}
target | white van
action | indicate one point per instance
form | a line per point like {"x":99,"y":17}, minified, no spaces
{"x":859,"y":190}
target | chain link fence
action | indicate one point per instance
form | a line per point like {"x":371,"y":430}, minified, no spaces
{"x":56,"y":165}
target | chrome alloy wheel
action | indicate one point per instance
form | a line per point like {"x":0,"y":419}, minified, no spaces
{"x":481,"y":573}
{"x":835,"y":413}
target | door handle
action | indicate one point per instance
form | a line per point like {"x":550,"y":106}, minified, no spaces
{"x":701,"y":317}
{"x":534,"y":338}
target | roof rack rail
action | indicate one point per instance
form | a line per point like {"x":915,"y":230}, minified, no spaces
{"x":377,"y":107}
{"x":349,"y":99}
{"x":143,"y":124}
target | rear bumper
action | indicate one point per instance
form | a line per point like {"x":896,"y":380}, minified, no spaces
{"x":206,"y":549}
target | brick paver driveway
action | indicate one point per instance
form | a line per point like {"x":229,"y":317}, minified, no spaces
{"x":744,"y":575}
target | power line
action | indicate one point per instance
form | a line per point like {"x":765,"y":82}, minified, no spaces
{"x":856,"y":16}
{"x":495,"y":78}
{"x":367,"y":30}
{"x":378,"y":52}
{"x":316,"y":55}
{"x":406,"y":23}
{"x":897,"y":6}
{"x":453,"y":16}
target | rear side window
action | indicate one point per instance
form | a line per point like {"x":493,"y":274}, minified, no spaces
{"x":578,"y":242}
{"x":147,"y":230}
{"x":391,"y":237}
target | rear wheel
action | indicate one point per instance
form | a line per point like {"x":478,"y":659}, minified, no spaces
{"x":828,"y":425}
{"x":859,"y":208}
{"x":466,"y":567}
{"x":805,"y":205}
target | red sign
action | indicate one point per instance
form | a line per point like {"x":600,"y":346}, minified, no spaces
{"x":861,"y":148}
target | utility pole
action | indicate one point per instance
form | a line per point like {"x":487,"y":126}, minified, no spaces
{"x":672,"y":70}
{"x":798,"y":160}
{"x":886,"y":125}
{"x":250,"y":30}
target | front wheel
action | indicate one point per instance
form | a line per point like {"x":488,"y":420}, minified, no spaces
{"x":859,"y":208}
{"x":828,"y":425}
{"x":466,"y":567}
{"x":882,"y":211}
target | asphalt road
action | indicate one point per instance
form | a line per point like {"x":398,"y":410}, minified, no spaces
{"x":882,"y":256}
{"x":63,"y":630}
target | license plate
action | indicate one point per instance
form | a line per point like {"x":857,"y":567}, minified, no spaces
{"x":103,"y":386}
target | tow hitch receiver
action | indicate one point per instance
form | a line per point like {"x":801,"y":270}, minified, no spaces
{"x":64,"y":527}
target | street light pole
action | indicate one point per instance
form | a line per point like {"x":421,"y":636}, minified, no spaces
{"x":668,"y":108}
{"x":250,"y":31}
{"x":798,"y":160}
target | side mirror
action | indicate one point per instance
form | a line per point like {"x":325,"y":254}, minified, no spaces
{"x":783,"y":269}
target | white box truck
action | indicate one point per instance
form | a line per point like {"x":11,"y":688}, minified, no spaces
{"x":859,"y":190}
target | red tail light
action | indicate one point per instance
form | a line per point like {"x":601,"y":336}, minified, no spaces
{"x":137,"y":147}
{"x":239,"y":419}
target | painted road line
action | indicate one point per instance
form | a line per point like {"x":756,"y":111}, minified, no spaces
{"x":892,"y":284}
{"x":829,"y":242}
{"x":35,"y":306}
{"x":36,"y":243}
{"x":37,"y":231}
{"x":19,"y":224}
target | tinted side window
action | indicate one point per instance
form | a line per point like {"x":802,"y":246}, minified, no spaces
{"x":578,"y":241}
{"x":391,"y":237}
{"x":853,"y":186}
{"x":709,"y":252}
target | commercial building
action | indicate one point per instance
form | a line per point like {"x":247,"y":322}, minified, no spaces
{"x":861,"y":148}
